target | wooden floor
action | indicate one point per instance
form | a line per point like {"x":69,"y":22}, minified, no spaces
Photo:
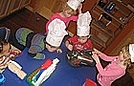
{"x":27,"y":19}
{"x":23,"y":19}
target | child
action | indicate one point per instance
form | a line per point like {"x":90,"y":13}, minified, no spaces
{"x":6,"y":55}
{"x":116,"y":68}
{"x":81,"y":42}
{"x":38,"y":42}
{"x":80,"y":46}
{"x":5,"y":48}
{"x":68,"y":12}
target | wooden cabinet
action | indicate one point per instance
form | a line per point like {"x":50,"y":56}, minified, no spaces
{"x":129,"y":38}
{"x":109,"y":19}
{"x":10,"y":6}
{"x":126,"y":36}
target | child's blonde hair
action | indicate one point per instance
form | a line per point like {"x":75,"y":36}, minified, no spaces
{"x":65,"y":6}
{"x":126,"y":55}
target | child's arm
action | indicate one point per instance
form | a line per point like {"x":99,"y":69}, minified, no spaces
{"x":80,"y":8}
{"x":74,"y":17}
{"x":104,"y":72}
{"x":112,"y":72}
{"x":69,"y":45}
{"x":104,"y":56}
{"x":59,"y":50}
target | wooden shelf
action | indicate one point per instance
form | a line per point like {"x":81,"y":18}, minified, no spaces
{"x":108,"y":14}
{"x":98,"y":13}
{"x":97,"y":40}
{"x":102,"y":34}
{"x":94,"y":24}
{"x":124,"y":4}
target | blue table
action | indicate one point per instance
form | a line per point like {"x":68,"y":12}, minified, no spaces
{"x":64,"y":75}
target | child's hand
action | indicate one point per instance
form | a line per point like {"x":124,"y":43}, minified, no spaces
{"x":96,"y":51}
{"x":89,"y":36}
{"x":15,"y":52}
{"x":96,"y":58}
{"x":80,"y":8}
{"x":70,"y":47}
{"x":59,"y":50}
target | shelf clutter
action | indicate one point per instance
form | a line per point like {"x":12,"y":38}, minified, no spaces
{"x":109,"y":18}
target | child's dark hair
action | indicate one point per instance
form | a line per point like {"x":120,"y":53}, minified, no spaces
{"x":1,"y":45}
{"x":51,"y":45}
{"x":2,"y":42}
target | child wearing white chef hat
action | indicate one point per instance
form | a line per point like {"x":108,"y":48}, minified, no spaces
{"x":74,"y":4}
{"x":56,"y":34}
{"x":81,"y":41}
{"x":38,"y":42}
{"x":67,"y":13}
{"x":117,"y":66}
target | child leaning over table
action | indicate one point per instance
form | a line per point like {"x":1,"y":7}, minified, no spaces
{"x":80,"y":46}
{"x":38,"y":42}
{"x":117,"y":67}
{"x":81,"y":41}
{"x":6,"y":55}
{"x":68,"y":12}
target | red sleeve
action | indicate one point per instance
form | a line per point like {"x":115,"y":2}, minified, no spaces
{"x":72,"y":39}
{"x":89,"y":44}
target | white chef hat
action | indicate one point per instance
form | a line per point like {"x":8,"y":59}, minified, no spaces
{"x":83,"y":22}
{"x":74,"y":3}
{"x":131,"y":51}
{"x":56,"y":32}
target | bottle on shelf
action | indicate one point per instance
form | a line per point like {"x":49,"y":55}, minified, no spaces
{"x":110,"y":7}
{"x":102,"y":3}
{"x":104,"y":20}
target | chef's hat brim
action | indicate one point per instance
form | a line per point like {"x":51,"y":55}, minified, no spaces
{"x":74,"y":3}
{"x":131,"y":51}
{"x":83,"y":31}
